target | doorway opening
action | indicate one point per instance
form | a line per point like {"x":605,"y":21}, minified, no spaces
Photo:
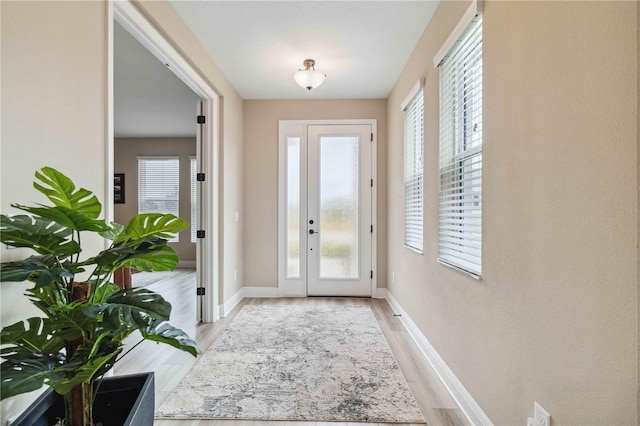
{"x":204,"y":162}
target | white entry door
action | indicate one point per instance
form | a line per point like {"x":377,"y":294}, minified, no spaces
{"x":327,"y":228}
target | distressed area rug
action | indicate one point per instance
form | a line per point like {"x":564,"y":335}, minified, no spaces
{"x":296,"y":362}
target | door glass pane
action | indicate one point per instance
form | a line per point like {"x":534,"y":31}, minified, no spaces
{"x":339,"y":256}
{"x":293,"y":208}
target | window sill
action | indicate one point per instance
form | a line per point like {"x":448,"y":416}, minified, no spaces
{"x":415,"y":250}
{"x":459,"y":269}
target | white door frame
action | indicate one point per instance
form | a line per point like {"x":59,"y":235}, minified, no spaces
{"x":140,"y":28}
{"x":298,"y":129}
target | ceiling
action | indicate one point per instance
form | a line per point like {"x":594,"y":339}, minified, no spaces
{"x":149,"y":100}
{"x":362,"y":47}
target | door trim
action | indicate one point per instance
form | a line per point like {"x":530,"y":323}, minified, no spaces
{"x":298,"y":128}
{"x":127,"y":15}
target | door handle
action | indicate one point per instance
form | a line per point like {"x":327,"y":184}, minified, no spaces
{"x":311,"y":231}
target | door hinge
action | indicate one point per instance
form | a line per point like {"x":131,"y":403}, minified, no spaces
{"x":372,"y":183}
{"x":201,"y":119}
{"x":371,"y":274}
{"x":200,"y":177}
{"x":200,"y":233}
{"x":199,"y":291}
{"x":372,"y":228}
{"x":371,"y":137}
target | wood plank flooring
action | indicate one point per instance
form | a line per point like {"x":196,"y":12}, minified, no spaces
{"x":171,"y":365}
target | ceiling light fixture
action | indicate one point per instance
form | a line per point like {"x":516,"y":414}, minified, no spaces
{"x":309,"y":78}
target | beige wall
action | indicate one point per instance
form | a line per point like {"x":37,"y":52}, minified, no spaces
{"x":554,"y":317}
{"x":126,"y":151}
{"x":169,"y":22}
{"x":53,"y":78}
{"x":260,"y":168}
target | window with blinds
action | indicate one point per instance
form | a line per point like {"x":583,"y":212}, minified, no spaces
{"x":414,"y":170}
{"x":158,"y":185}
{"x":194,"y":199}
{"x":460,"y":201}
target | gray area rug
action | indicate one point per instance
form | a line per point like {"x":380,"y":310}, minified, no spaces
{"x":295,"y":362}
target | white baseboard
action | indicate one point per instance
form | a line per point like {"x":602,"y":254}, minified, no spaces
{"x":233,"y":301}
{"x":260,"y":291}
{"x":467,"y":404}
{"x":381,"y":293}
{"x":230,"y":304}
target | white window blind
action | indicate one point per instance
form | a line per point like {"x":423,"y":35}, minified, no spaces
{"x":158,"y":185}
{"x":194,"y":199}
{"x":414,"y":170}
{"x":460,"y":201}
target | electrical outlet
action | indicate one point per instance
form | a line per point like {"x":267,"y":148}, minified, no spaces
{"x":540,"y":415}
{"x":236,"y":216}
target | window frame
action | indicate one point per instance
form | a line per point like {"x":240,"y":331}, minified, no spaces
{"x":193,"y":174}
{"x":460,"y":163}
{"x":413,"y":180}
{"x":142,"y":187}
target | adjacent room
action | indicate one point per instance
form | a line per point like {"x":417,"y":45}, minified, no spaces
{"x":359,"y":212}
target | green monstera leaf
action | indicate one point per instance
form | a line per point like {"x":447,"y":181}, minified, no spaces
{"x":34,"y":268}
{"x":84,"y":373}
{"x":31,"y":352}
{"x":62,"y":192}
{"x":81,"y":334}
{"x":153,"y":224}
{"x":37,"y":335}
{"x":130,"y":309}
{"x":163,"y":332}
{"x":165,"y":259}
{"x":66,"y":217}
{"x":113,"y":232}
{"x":41,"y":235}
{"x":24,"y":375}
{"x":148,"y":254}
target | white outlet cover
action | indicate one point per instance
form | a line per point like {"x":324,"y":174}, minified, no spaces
{"x":540,"y":415}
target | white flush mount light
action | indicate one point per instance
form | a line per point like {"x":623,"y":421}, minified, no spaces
{"x":309,"y":78}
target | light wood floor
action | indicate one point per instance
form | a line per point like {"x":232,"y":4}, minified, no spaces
{"x":171,"y":365}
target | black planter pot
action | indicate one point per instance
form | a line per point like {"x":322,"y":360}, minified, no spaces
{"x":121,"y":400}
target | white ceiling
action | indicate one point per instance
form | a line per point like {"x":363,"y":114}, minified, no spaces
{"x":362,"y":47}
{"x":149,"y":100}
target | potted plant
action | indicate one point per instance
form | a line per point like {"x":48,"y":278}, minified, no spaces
{"x":86,"y":320}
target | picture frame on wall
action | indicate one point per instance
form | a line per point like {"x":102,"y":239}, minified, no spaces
{"x":118,"y":188}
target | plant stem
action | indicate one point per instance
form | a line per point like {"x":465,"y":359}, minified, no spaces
{"x":132,"y":348}
{"x":80,"y":405}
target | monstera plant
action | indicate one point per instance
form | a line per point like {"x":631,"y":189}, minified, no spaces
{"x":86,"y":317}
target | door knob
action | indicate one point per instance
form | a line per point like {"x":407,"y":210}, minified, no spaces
{"x":311,"y":231}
